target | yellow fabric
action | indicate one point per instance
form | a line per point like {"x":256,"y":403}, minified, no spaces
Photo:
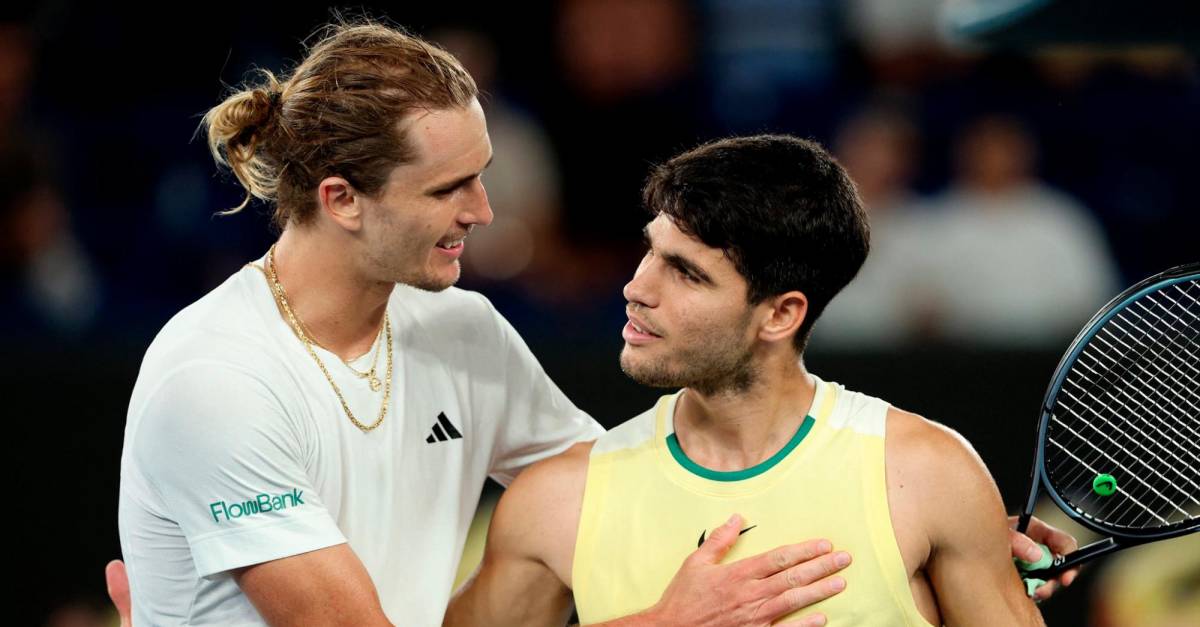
{"x":643,"y":513}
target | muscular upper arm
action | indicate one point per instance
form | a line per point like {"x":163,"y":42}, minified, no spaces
{"x":960,"y":510}
{"x":328,"y":586}
{"x":524,"y":576}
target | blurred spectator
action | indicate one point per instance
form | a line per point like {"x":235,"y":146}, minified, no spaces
{"x":883,"y":306}
{"x":629,"y":100}
{"x":1015,"y":262}
{"x":47,"y":285}
{"x":771,"y":62}
{"x":523,"y":182}
{"x":886,"y":28}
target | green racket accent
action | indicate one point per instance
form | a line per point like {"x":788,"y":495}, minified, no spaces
{"x":1031,"y":586}
{"x":1104,"y":485}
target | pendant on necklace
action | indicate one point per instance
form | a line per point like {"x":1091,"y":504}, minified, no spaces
{"x":373,"y":381}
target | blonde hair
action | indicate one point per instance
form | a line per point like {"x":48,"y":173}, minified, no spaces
{"x":334,"y":115}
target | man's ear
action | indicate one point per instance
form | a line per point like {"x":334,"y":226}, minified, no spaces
{"x":341,"y":202}
{"x":785,"y":315}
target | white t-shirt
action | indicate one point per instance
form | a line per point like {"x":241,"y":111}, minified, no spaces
{"x":1024,"y":267}
{"x":238,"y":452}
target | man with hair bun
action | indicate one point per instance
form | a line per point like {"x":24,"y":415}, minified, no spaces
{"x":307,"y":442}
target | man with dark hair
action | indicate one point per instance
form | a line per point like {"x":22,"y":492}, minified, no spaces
{"x":750,"y":240}
{"x":306,"y":444}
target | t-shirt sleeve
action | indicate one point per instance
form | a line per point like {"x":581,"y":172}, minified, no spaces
{"x":539,"y":420}
{"x":228,"y":464}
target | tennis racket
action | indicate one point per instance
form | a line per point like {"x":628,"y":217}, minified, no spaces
{"x":1118,"y":444}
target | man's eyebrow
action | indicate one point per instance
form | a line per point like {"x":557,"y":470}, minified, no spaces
{"x":677,"y":261}
{"x":462,"y":180}
{"x":686,"y":265}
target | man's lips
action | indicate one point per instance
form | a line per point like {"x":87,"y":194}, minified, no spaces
{"x":641,"y":326}
{"x":637,"y":332}
{"x":452,"y":247}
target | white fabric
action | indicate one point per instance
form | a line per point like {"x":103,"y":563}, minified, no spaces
{"x":1022,"y":268}
{"x":238,"y":452}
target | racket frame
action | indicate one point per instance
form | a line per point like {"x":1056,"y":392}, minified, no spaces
{"x":1039,"y":479}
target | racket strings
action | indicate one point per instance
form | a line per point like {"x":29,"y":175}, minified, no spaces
{"x":1107,"y":384}
{"x":1171,"y":451}
{"x":1135,"y":495}
{"x":1173,"y":387}
{"x":1102,"y":453}
{"x":1147,"y":369}
{"x":1088,"y":466}
{"x":1173,"y":416}
{"x":1129,"y":406}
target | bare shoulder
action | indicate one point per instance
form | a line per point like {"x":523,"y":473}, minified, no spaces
{"x":952,"y":511}
{"x":940,"y":476}
{"x":538,"y":515}
{"x":928,"y":450}
{"x":557,"y":477}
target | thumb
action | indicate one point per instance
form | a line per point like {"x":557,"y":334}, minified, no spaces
{"x":117,"y":582}
{"x":1024,"y":548}
{"x":720,"y":541}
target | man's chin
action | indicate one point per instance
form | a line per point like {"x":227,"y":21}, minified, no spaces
{"x":650,"y":375}
{"x":433,"y":282}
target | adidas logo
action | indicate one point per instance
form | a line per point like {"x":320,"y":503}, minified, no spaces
{"x":443,"y":430}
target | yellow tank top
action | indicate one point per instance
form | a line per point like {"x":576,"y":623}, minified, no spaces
{"x":646,"y":507}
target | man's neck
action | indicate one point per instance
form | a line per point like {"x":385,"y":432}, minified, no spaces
{"x":735,"y":430}
{"x":342,"y":309}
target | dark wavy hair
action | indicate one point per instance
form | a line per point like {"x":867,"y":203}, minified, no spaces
{"x":780,"y":207}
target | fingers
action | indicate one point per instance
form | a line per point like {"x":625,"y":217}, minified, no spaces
{"x":798,"y":598}
{"x":720,"y":541}
{"x":1059,"y":541}
{"x":782,"y":558}
{"x":117,"y":582}
{"x":1024,"y":548}
{"x":807,"y":572}
{"x":1046,"y":591}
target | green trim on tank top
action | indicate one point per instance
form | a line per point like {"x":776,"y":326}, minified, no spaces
{"x":738,"y":475}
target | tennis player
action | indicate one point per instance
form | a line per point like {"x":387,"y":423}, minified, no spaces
{"x":306,"y":443}
{"x":751,"y":238}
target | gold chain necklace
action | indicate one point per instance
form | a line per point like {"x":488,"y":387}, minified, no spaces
{"x":299,"y":328}
{"x":370,"y":375}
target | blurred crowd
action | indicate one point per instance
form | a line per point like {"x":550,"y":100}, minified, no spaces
{"x":1011,"y":192}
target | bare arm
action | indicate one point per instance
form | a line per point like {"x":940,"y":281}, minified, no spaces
{"x":325,"y":587}
{"x":531,"y":545}
{"x":970,"y":551}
